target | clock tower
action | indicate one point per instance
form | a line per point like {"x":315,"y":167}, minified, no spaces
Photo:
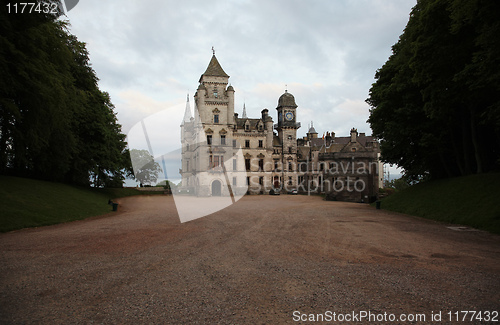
{"x":287,"y":133}
{"x":287,"y":123}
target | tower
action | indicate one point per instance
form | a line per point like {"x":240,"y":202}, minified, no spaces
{"x":287,"y":124}
{"x":287,"y":133}
{"x":214,"y":98}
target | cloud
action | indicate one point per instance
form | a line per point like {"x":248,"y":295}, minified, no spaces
{"x":132,"y":106}
{"x":148,"y":54}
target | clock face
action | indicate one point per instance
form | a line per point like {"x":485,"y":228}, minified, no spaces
{"x":289,"y":116}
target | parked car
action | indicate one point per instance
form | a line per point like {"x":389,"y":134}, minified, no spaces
{"x":274,"y":191}
{"x":293,"y":192}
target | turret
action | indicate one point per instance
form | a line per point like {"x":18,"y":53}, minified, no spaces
{"x":230,"y":105}
{"x":312,"y":132}
{"x":268,"y":123}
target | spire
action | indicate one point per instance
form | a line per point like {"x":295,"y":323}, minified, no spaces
{"x":244,"y":115}
{"x":311,"y":129}
{"x":187,"y":113}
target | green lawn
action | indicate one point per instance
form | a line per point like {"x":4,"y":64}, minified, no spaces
{"x":32,"y":203}
{"x":470,"y":200}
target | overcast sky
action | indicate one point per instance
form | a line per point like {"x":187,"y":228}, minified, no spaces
{"x":149,"y":54}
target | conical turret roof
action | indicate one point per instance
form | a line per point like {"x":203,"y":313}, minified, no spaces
{"x":214,"y":69}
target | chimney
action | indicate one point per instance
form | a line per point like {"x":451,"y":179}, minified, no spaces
{"x":265,"y":113}
{"x":354,"y":135}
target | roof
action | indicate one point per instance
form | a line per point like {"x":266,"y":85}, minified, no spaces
{"x":286,"y":100}
{"x":240,"y":122}
{"x":320,"y":142}
{"x":214,"y":69}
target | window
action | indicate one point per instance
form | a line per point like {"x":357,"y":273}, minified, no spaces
{"x":247,"y":143}
{"x":275,"y":165}
{"x":209,"y":139}
{"x":289,"y":149}
{"x":223,"y":139}
{"x":234,"y":143}
{"x":261,"y":180}
{"x":290,"y":167}
{"x":215,"y":161}
{"x":289,"y":137}
{"x":261,"y":164}
{"x":187,"y":147}
{"x":216,"y":118}
{"x":234,"y":164}
{"x":187,"y":165}
{"x":247,"y":127}
{"x":289,"y":180}
{"x":321,"y":166}
{"x":261,"y":143}
{"x":247,"y":164}
{"x":234,"y":181}
{"x":248,"y":180}
{"x":260,"y":127}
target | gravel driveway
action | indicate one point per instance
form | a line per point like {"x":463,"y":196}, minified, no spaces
{"x":263,"y":260}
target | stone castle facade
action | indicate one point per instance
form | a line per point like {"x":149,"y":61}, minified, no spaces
{"x":224,"y":154}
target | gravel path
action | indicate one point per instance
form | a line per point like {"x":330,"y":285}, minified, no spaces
{"x":255,"y":262}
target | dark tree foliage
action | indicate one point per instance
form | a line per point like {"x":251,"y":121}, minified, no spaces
{"x":55,"y":123}
{"x":435,"y":104}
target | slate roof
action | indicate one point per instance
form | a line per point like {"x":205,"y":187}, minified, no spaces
{"x":240,"y":122}
{"x":214,"y":69}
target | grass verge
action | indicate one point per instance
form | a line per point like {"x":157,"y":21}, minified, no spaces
{"x":469,"y":200}
{"x":33,"y":203}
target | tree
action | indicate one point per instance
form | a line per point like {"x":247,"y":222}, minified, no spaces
{"x":55,"y":123}
{"x":435,"y":103}
{"x":146,"y":169}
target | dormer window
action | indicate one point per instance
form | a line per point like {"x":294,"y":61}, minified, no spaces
{"x":247,"y":127}
{"x":215,"y":92}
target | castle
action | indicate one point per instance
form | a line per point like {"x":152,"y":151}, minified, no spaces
{"x":224,"y":154}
